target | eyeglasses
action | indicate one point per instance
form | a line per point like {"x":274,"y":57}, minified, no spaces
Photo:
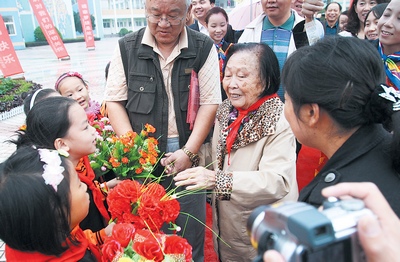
{"x":172,"y":20}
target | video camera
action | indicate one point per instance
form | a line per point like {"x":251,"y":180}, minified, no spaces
{"x":302,"y":233}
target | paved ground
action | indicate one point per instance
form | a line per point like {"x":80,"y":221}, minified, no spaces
{"x":42,"y":66}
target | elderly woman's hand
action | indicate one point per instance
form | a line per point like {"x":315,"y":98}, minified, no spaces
{"x":196,"y":178}
{"x":310,"y":7}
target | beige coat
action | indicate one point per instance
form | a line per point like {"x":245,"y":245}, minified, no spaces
{"x":264,"y":172}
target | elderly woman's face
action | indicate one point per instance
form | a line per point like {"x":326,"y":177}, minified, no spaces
{"x":242,"y":82}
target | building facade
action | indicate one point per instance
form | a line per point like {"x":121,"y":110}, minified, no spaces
{"x":21,"y":22}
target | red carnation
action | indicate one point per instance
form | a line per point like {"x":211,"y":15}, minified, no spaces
{"x":133,"y":219}
{"x":123,"y":233}
{"x":170,"y":209}
{"x":110,"y":250}
{"x":149,"y":249}
{"x":151,"y":212}
{"x":155,"y":190}
{"x":129,"y":189}
{"x":178,"y":245}
{"x":118,"y":206}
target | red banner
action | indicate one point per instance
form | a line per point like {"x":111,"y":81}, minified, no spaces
{"x":49,"y":31}
{"x":9,"y":63}
{"x":86,"y":22}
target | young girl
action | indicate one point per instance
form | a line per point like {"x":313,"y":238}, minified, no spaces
{"x":72,"y":85}
{"x":389,"y":42}
{"x":217,"y":25}
{"x":371,"y":21}
{"x":61,"y":123}
{"x":42,"y":202}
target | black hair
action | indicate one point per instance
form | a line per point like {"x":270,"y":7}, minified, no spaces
{"x":47,"y":121}
{"x":343,"y":76}
{"x":340,"y":6}
{"x":354,"y":23}
{"x":42,"y":94}
{"x":34,"y":217}
{"x":377,"y":11}
{"x":269,"y":66}
{"x":106,"y":69}
{"x":216,"y":10}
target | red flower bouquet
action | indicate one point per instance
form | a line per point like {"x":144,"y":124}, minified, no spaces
{"x":144,"y":245}
{"x":129,"y":156}
{"x":140,"y":210}
{"x":144,"y":206}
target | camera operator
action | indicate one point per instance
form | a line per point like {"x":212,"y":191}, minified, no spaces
{"x":380,"y":236}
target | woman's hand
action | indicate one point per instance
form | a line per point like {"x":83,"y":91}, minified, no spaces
{"x":196,"y":178}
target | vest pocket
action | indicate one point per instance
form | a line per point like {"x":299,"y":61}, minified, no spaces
{"x":184,"y":84}
{"x":141,"y":93}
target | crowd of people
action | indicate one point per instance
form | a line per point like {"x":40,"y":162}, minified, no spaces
{"x":249,"y":97}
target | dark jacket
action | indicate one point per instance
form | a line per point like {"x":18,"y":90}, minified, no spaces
{"x":325,"y":24}
{"x":147,"y":99}
{"x":364,"y":157}
{"x":232,"y":36}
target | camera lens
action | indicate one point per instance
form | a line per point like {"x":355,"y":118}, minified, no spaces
{"x":256,"y":212}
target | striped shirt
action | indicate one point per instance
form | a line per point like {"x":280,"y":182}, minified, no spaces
{"x":278,"y":38}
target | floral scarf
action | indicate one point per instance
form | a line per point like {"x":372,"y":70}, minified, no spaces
{"x":391,"y":69}
{"x":258,"y":124}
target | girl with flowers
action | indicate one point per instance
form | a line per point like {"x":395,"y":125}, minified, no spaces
{"x":42,"y":202}
{"x":61,"y":123}
{"x":72,"y":85}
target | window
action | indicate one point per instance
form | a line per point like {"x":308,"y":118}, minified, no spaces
{"x":140,"y":22}
{"x":106,"y":23}
{"x":9,"y":22}
{"x":139,"y":4}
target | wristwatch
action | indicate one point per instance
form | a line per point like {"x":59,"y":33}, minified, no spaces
{"x":192,"y":156}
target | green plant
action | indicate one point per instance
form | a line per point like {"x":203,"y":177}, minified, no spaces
{"x":123,"y":32}
{"x":78,"y":23}
{"x":39,"y":36}
{"x":13,"y":92}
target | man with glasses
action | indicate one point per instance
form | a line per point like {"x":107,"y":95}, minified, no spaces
{"x":149,"y":82}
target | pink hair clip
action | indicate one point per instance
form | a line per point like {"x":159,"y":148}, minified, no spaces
{"x":65,"y":75}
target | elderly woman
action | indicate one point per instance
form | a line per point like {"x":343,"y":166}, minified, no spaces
{"x":338,"y":109}
{"x":255,"y":150}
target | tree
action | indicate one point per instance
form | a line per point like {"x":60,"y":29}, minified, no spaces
{"x":78,"y":24}
{"x":39,"y":36}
